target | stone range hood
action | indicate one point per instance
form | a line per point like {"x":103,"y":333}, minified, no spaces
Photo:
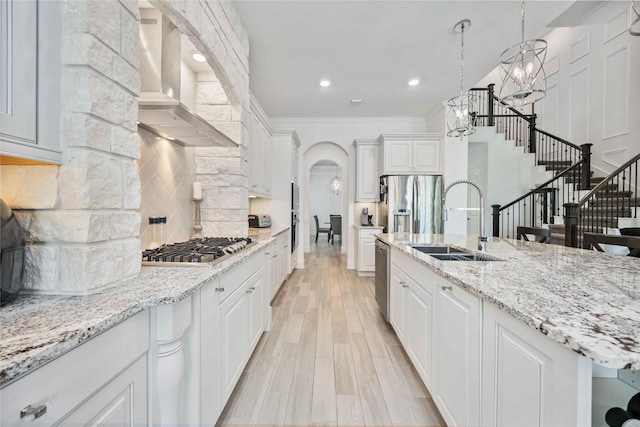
{"x":159,"y":108}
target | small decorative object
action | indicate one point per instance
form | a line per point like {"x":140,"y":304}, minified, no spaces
{"x":336,"y":183}
{"x":460,"y":113}
{"x":197,"y":199}
{"x":521,"y":68}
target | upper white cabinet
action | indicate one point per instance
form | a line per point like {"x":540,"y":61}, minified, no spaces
{"x":260,"y":149}
{"x":367,"y":176}
{"x":405,"y":154}
{"x":30,"y":83}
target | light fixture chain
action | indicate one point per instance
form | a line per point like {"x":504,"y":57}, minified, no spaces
{"x":522,"y":22}
{"x":461,"y":57}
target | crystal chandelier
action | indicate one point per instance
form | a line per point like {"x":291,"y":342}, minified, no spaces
{"x":522,"y":72}
{"x":460,"y":112}
{"x":635,"y":5}
{"x":336,"y":184}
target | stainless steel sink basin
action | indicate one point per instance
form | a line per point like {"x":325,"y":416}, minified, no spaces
{"x":439,"y":249}
{"x":464,"y":257}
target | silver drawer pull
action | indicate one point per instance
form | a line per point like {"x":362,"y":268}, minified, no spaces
{"x":33,"y":413}
{"x":405,"y":286}
{"x":447,"y":288}
{"x":248,"y":292}
{"x":219,"y":289}
{"x":253,"y":288}
{"x":267,"y":253}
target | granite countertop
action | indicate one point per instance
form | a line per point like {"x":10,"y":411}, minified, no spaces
{"x":37,"y":328}
{"x":267,"y":232}
{"x":586,"y":300}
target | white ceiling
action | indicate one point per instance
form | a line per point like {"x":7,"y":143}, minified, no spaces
{"x":370,"y":49}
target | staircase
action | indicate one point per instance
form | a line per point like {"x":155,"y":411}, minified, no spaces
{"x":598,"y":202}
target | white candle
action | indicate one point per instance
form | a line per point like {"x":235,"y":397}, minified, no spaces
{"x":197,"y":190}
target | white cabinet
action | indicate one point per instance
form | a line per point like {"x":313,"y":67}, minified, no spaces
{"x":103,"y":381}
{"x":529,"y":380}
{"x":405,"y":154}
{"x":279,"y":262}
{"x":366,"y":250}
{"x":457,"y":358}
{"x":29,"y":91}
{"x":367,"y":176}
{"x":412,"y":312}
{"x":241,"y":320}
{"x":260,"y":149}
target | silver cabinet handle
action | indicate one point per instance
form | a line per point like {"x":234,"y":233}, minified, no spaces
{"x":219,"y":289}
{"x":405,"y":286}
{"x":402,"y":283}
{"x":253,"y":288}
{"x":447,"y":288}
{"x":248,"y":292}
{"x":33,"y":413}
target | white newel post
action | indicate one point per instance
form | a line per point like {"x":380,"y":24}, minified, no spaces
{"x":172,"y":322}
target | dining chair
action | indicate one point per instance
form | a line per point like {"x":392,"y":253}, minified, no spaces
{"x":321,"y":230}
{"x":336,"y":226}
{"x":542,"y":235}
{"x":596,"y":239}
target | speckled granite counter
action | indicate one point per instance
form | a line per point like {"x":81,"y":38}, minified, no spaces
{"x":587,"y":301}
{"x":37,"y":329}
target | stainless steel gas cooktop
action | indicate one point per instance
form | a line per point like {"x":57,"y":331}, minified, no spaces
{"x":206,"y":251}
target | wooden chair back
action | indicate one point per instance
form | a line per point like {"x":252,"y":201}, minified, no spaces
{"x":542,"y":235}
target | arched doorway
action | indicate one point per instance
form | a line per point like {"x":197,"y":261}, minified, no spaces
{"x":325,"y":196}
{"x":332,"y":155}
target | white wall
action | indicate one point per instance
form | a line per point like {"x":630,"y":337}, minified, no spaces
{"x":322,"y":201}
{"x":341,"y":132}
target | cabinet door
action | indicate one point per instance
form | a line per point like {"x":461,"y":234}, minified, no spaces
{"x":368,"y":183}
{"x":529,"y":379}
{"x":367,"y":255}
{"x":419,"y":340}
{"x":457,"y":369}
{"x":233,"y":334}
{"x":255,"y":309}
{"x":122,"y":402}
{"x":397,"y":157}
{"x":254,"y":156}
{"x":275,"y":273}
{"x":18,"y":68}
{"x":398,"y":302}
{"x":266,"y":161}
{"x":426,"y":156}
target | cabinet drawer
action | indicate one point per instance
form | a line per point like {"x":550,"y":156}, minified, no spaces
{"x":72,"y":378}
{"x":369,"y":232}
{"x":232,"y":279}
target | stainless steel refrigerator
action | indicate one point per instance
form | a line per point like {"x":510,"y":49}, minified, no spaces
{"x":411,"y":204}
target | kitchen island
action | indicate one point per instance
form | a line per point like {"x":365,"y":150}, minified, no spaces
{"x":520,"y":336}
{"x":174,"y":305}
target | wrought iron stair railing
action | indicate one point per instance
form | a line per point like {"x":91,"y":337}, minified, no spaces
{"x":550,"y":151}
{"x":538,"y":207}
{"x":615,"y":197}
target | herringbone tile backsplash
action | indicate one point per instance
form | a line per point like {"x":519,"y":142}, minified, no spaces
{"x":166,"y":177}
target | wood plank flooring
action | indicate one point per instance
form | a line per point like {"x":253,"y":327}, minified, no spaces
{"x":329,"y":359}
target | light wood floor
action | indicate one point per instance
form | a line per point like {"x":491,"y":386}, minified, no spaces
{"x":329,"y":359}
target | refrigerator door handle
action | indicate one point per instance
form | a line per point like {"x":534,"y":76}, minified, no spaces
{"x":415,"y":223}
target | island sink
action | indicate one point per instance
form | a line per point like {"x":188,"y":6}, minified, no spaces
{"x":439,"y":249}
{"x":464,"y":257}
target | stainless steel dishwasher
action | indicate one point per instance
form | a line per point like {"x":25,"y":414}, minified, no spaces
{"x":383,"y":259}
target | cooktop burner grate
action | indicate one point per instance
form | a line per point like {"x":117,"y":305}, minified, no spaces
{"x":205,"y":250}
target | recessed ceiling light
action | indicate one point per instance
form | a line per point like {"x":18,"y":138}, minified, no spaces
{"x":324,"y":83}
{"x":413,"y":82}
{"x":356,"y":101}
{"x":198,"y":57}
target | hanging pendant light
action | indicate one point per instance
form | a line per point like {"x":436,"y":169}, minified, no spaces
{"x":634,"y":29}
{"x":522,"y":71}
{"x":336,"y":183}
{"x":460,"y":112}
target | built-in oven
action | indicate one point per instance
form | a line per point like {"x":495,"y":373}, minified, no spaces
{"x":295,"y":223}
{"x":295,"y":197}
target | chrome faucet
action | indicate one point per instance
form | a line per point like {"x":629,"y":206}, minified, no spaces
{"x":482,"y":239}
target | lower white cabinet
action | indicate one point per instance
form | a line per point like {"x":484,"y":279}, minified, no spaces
{"x":457,"y":361}
{"x":103,"y":381}
{"x":366,"y":250}
{"x":528,"y":380}
{"x":482,"y":366}
{"x":280,"y":264}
